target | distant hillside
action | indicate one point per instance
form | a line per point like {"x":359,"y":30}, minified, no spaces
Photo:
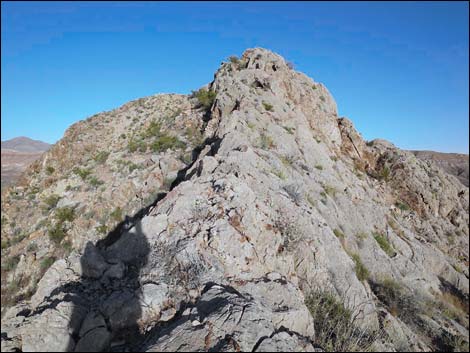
{"x":25,"y":144}
{"x":17,"y":154}
{"x":453,"y":163}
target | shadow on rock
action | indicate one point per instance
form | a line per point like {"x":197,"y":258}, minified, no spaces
{"x":106,"y":316}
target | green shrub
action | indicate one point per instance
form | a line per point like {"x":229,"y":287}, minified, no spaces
{"x":5,"y":244}
{"x":384,"y":244}
{"x":134,"y":145}
{"x":82,"y":173}
{"x":51,"y":201}
{"x":116,"y":214}
{"x":10,"y":263}
{"x":46,"y":263}
{"x":153,"y":130}
{"x":186,"y":158}
{"x":102,"y":229}
{"x":335,"y":328}
{"x":397,"y":299}
{"x":205,"y":98}
{"x":57,"y":233}
{"x":32,"y":247}
{"x":322,"y":98}
{"x":101,"y":157}
{"x":268,"y":107}
{"x":123,"y":136}
{"x":49,"y":170}
{"x":402,"y":206}
{"x":361,"y":270}
{"x":18,"y":238}
{"x":64,"y":214}
{"x":338,"y":233}
{"x":290,"y":130}
{"x":385,"y":173}
{"x":319,"y":167}
{"x":288,"y":160}
{"x":165,"y":142}
{"x":94,"y":181}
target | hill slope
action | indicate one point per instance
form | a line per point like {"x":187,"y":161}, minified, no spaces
{"x":248,"y":217}
{"x":453,"y":163}
{"x":25,"y":144}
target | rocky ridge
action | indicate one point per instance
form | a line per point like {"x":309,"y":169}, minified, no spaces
{"x":227,"y":221}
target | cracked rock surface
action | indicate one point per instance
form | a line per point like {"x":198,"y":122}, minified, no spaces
{"x":280,"y":199}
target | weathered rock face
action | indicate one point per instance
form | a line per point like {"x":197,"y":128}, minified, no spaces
{"x":453,"y":163}
{"x":281,"y":201}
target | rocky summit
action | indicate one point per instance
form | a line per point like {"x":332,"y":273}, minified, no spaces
{"x":247,"y":216}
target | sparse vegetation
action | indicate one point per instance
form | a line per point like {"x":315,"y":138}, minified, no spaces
{"x":398,"y":301}
{"x":57,"y":233}
{"x":136,"y":145}
{"x":165,"y":142}
{"x":385,"y":173}
{"x":288,"y":160}
{"x":280,"y":174}
{"x":195,"y":136}
{"x":205,"y":98}
{"x":319,"y":167}
{"x":101,"y":157}
{"x":268,"y":107}
{"x":46,"y":263}
{"x":402,"y":206}
{"x":50,"y":170}
{"x":361,"y":270}
{"x":102,"y":229}
{"x":82,"y":173}
{"x":290,"y":130}
{"x":51,"y":201}
{"x":65,"y":214}
{"x":335,"y":327}
{"x":10,"y":263}
{"x":384,"y":244}
{"x":330,"y":190}
{"x":32,"y":247}
{"x":339,"y":234}
{"x":94,"y":181}
{"x":322,"y":98}
{"x":116,"y":215}
{"x":266,"y":142}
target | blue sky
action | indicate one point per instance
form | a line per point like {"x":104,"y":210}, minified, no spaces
{"x":399,"y":70}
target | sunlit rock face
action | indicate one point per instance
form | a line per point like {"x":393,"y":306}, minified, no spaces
{"x":247,"y":217}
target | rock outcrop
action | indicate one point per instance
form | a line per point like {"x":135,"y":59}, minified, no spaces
{"x":259,"y":217}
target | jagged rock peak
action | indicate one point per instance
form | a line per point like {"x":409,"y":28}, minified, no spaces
{"x":234,"y":221}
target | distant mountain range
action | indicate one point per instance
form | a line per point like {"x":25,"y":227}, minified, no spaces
{"x":17,"y":154}
{"x":25,"y":144}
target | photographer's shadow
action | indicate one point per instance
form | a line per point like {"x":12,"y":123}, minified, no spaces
{"x":108,"y":318}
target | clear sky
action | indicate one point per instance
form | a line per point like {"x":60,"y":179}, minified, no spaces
{"x":399,"y":70}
